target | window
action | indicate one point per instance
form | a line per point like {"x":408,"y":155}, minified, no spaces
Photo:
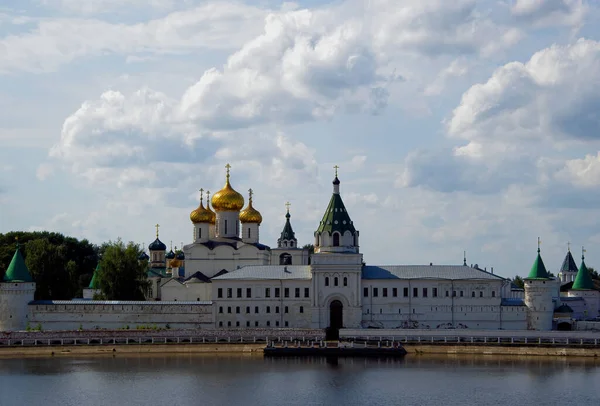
{"x":220,"y":309}
{"x":228,"y":324}
{"x":306,"y":292}
{"x":434,"y":292}
{"x":277,"y":324}
{"x":366,"y":292}
{"x":493,"y":293}
{"x":473,"y":294}
{"x":405,"y":292}
{"x":424,"y":292}
{"x":247,"y":309}
{"x":229,"y":292}
{"x":199,"y":233}
{"x":335,"y":281}
{"x":229,"y":309}
{"x":447,"y":294}
{"x":286,"y":292}
{"x":301,"y":309}
{"x":345,"y":281}
{"x":276,"y":309}
{"x":480,"y":293}
{"x":220,"y":324}
{"x":277,"y":292}
{"x":453,"y":293}
{"x":286,"y":309}
{"x":268,"y":324}
{"x":286,"y":324}
{"x":248,"y":292}
{"x":327,"y":281}
{"x":461,"y":293}
{"x":268,"y":309}
{"x":384,"y":292}
{"x":256,"y":324}
{"x":256,"y":309}
{"x":237,"y":323}
{"x":239,"y":292}
{"x":336,"y":239}
{"x":237,"y":310}
{"x":395,"y":292}
{"x":380,"y":311}
{"x":225,"y":227}
{"x":249,"y":232}
{"x":220,"y":292}
{"x":267,"y":292}
{"x":248,"y":323}
{"x":375,"y":292}
{"x":415,"y":292}
{"x":297,"y":292}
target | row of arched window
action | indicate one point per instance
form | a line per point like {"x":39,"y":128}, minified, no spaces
{"x":336,"y":281}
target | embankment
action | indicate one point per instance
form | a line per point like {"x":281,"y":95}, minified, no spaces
{"x":494,"y":349}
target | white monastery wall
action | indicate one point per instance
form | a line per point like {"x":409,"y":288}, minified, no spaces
{"x":14,"y":298}
{"x":173,"y":291}
{"x":261,"y":303}
{"x":73,"y":315}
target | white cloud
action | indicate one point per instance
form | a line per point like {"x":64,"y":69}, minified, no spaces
{"x":54,"y":42}
{"x":550,"y":12}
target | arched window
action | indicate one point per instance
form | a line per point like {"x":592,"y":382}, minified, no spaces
{"x":291,"y":243}
{"x":225,"y":231}
{"x":335,"y":281}
{"x":285,"y":259}
{"x":345,"y":281}
{"x":285,"y":243}
{"x":249,"y":232}
{"x":336,"y":239}
{"x":327,"y":281}
{"x":199,"y":233}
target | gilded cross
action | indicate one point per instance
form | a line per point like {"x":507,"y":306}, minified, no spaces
{"x":539,"y":243}
{"x":157,"y":226}
{"x":207,"y":198}
{"x":287,"y":206}
{"x":336,"y":170}
{"x":250,"y":193}
{"x":583,"y":251}
{"x":569,"y":246}
{"x":227,"y":167}
{"x":201,"y":194}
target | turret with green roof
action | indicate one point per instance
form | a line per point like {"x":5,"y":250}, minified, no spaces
{"x":94,"y":284}
{"x":17,"y":270}
{"x":538,"y":270}
{"x":583,"y":280}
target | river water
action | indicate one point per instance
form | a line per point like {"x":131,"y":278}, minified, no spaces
{"x":253,"y":380}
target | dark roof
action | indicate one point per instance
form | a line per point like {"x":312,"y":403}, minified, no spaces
{"x":198,"y":275}
{"x":568,"y":264}
{"x":512,"y":302}
{"x":538,"y":270}
{"x":180,"y":255}
{"x":17,"y":270}
{"x":234,"y":243}
{"x":157,"y":245}
{"x":143,"y":257}
{"x":287,"y":233}
{"x":221,"y":272}
{"x":170,"y":255}
{"x":563,"y":309}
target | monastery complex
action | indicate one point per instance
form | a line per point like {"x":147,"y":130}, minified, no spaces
{"x":226,"y":278}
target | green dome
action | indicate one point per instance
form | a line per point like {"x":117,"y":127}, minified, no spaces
{"x":583,"y":279}
{"x":538,"y":270}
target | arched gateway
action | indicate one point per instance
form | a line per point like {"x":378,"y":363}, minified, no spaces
{"x":336,"y":315}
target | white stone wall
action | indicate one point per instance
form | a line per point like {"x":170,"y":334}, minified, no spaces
{"x":73,"y":315}
{"x":201,"y":232}
{"x":228,"y":224}
{"x":89,"y":293}
{"x":210,"y":262}
{"x":538,"y":299}
{"x":589,"y":305}
{"x":14,"y":299}
{"x":187,"y":292}
{"x":250,"y":233}
{"x":241,"y":311}
{"x":299,"y":256}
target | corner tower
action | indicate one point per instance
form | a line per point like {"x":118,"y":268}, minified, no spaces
{"x":538,"y":296}
{"x":583,"y":287}
{"x":16,"y":291}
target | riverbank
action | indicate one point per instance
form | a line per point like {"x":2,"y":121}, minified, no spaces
{"x":501,"y":350}
{"x":131,"y":349}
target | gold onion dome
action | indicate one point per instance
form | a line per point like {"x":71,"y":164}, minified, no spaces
{"x":201,"y":215}
{"x":250,"y":214}
{"x":227,"y":199}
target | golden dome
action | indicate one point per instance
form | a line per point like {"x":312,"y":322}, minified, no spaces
{"x":250,"y":214}
{"x":201,"y":215}
{"x":227,"y":199}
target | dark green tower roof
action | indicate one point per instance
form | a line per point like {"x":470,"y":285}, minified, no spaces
{"x":568,"y":264}
{"x":17,"y":270}
{"x":583,"y":280}
{"x":336,"y":217}
{"x":94,"y":282}
{"x":538,"y":270}
{"x":288,"y":232}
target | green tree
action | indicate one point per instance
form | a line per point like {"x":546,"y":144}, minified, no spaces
{"x":518,"y":281}
{"x":310,"y":248}
{"x":121,"y":275}
{"x":593,"y":272}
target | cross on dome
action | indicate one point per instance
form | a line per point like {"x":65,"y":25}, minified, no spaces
{"x":227,"y":168}
{"x":201,"y":194}
{"x":569,"y":246}
{"x":287,"y":206}
{"x":539,"y":243}
{"x":250,"y":193}
{"x":157,"y":226}
{"x":583,"y":251}
{"x":336,"y":170}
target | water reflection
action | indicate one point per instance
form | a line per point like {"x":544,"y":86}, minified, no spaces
{"x":250,"y":380}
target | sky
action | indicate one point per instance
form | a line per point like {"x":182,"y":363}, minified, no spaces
{"x":465,"y":125}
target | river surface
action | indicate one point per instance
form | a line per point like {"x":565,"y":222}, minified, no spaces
{"x":252,"y":380}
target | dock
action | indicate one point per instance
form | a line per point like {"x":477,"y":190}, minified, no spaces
{"x":334,"y":349}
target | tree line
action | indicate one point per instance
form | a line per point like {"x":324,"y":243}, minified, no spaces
{"x":63,"y":266}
